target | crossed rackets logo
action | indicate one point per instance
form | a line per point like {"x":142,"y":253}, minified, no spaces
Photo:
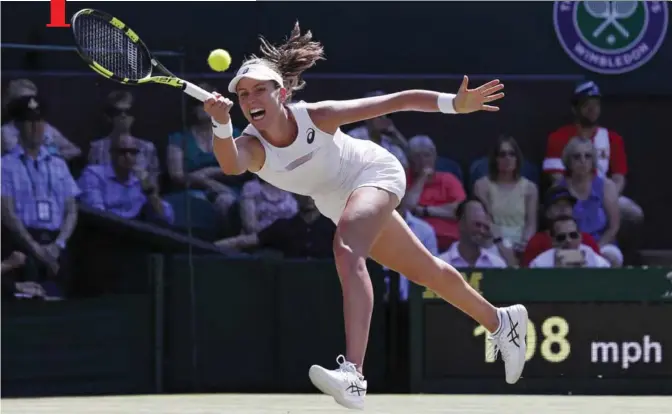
{"x":611,"y":37}
{"x":610,"y":12}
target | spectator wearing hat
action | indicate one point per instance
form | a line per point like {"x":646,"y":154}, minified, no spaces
{"x":38,"y":199}
{"x":611,"y":157}
{"x":55,"y":142}
{"x":383,"y":132}
{"x":558,"y":202}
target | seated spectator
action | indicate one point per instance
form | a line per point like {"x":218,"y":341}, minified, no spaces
{"x":54,"y":141}
{"x":568,"y":250}
{"x":510,"y":198}
{"x":609,"y":146}
{"x":116,"y":188}
{"x":118,"y":112}
{"x":498,"y":245}
{"x":596,"y":210}
{"x":38,"y":202}
{"x":432,"y":195}
{"x":307,"y":234}
{"x":558,"y":202}
{"x":474,"y":227}
{"x":261,"y":204}
{"x":425,"y":233}
{"x":383,"y":132}
{"x":192,"y":164}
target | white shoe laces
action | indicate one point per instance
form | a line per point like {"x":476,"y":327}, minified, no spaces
{"x":346,"y":367}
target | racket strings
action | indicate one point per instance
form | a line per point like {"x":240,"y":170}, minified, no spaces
{"x":109,"y":47}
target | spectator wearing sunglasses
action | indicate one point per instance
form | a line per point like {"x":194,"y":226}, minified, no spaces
{"x":509,"y":197}
{"x":586,"y":105}
{"x":54,"y":141}
{"x":118,"y":112}
{"x":596,"y":210}
{"x":568,"y":249}
{"x":116,"y":188}
{"x":558,"y":202}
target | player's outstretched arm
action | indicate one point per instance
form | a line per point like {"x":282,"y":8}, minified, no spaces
{"x":333,"y":114}
{"x":234,"y":156}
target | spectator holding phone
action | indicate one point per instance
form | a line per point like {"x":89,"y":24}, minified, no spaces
{"x":558,"y":202}
{"x":568,"y":250}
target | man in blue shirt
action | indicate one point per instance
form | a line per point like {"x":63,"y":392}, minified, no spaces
{"x":38,"y":200}
{"x":115,"y":187}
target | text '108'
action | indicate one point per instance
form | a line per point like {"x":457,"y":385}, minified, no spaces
{"x":554,"y":346}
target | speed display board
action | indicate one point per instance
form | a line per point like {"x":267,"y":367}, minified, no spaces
{"x":607,"y":345}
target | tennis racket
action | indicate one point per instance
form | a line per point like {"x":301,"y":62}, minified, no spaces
{"x":116,"y":52}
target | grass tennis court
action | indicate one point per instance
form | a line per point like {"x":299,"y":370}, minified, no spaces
{"x":314,"y":403}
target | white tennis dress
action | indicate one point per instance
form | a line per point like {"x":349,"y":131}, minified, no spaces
{"x":328,"y":167}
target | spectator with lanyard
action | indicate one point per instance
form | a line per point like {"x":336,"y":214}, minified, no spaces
{"x":38,"y":200}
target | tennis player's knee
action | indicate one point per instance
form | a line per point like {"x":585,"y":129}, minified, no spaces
{"x":350,"y":259}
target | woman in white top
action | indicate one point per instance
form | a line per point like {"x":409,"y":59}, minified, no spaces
{"x":511,"y":198}
{"x":300,"y":148}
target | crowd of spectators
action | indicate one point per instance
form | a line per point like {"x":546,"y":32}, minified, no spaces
{"x":502,"y":214}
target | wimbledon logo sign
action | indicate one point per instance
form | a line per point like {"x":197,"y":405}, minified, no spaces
{"x":611,"y":37}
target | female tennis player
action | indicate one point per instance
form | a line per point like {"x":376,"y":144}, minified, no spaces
{"x":299,"y":147}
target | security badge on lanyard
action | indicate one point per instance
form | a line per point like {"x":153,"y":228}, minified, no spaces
{"x":44,"y":210}
{"x":43,"y":205}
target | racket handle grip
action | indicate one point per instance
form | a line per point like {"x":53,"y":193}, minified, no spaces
{"x":196,"y":92}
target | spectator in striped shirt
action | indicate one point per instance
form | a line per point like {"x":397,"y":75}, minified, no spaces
{"x":119,"y":112}
{"x":116,"y":188}
{"x":38,"y":201}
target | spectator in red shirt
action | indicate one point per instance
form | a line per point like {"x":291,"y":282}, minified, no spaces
{"x":558,"y":202}
{"x":611,"y":162}
{"x":432,"y":195}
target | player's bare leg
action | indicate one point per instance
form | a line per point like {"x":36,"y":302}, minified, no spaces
{"x":366,"y":213}
{"x":399,"y":249}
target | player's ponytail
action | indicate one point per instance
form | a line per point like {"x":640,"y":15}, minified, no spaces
{"x":292,"y":58}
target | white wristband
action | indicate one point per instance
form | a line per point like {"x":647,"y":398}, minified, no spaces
{"x":445,"y":103}
{"x":222,"y":131}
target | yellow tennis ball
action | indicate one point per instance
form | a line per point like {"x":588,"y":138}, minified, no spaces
{"x":219,"y":60}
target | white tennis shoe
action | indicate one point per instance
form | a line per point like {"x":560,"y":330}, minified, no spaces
{"x":510,"y":340}
{"x":345,"y":384}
